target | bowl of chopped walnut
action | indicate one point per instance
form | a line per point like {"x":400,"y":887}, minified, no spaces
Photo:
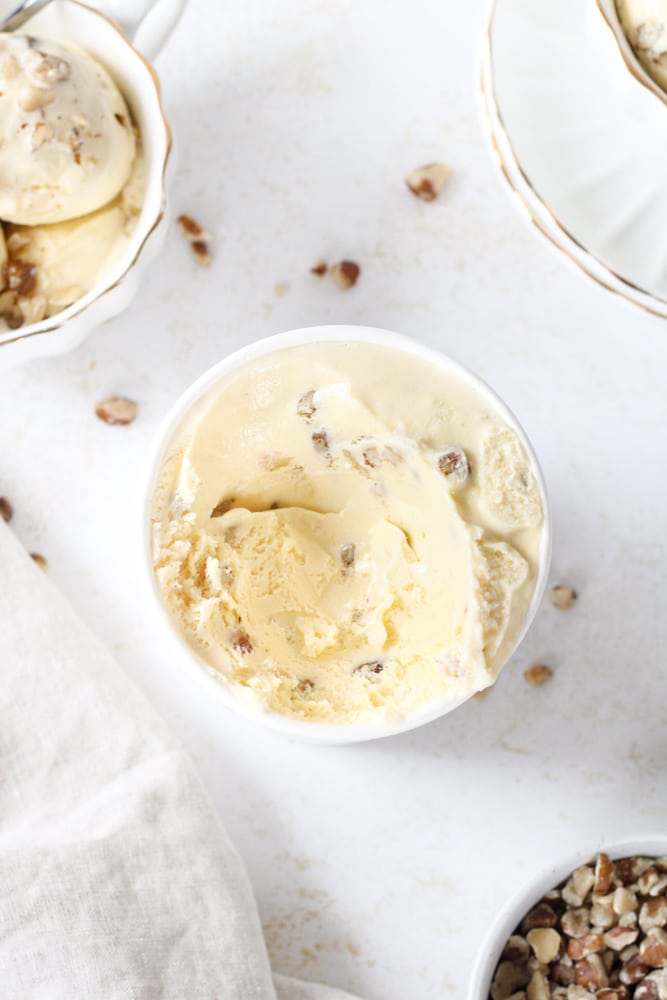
{"x":591,"y":926}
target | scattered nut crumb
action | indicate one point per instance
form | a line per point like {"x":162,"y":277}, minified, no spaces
{"x":319,"y":269}
{"x":538,"y":674}
{"x":345,"y":273}
{"x":6,"y":509}
{"x":200,"y":252}
{"x":197,"y":237}
{"x":116,"y":410}
{"x":281,"y":289}
{"x":563,"y":597}
{"x":40,"y":560}
{"x":305,"y":686}
{"x":428,"y":182}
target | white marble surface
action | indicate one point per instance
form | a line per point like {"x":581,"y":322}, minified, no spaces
{"x":377,"y":868}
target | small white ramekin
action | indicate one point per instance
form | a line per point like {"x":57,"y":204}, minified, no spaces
{"x":297,"y":729}
{"x":530,"y":893}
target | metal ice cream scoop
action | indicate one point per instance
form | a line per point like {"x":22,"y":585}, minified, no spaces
{"x":20,"y":13}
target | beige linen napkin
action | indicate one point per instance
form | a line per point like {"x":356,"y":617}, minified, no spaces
{"x":117,"y":880}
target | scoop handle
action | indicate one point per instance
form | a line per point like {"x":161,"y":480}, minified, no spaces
{"x":147,"y":23}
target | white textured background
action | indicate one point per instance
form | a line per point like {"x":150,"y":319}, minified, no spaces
{"x":377,"y":868}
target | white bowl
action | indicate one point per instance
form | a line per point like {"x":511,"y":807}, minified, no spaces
{"x":302,"y":730}
{"x":581,"y":145}
{"x":610,"y":17}
{"x":69,"y":20}
{"x":531,"y":892}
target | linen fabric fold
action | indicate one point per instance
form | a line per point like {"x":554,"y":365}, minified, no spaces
{"x":117,"y":879}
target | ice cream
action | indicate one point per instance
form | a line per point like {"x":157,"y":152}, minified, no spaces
{"x":345,"y":534}
{"x":68,"y":158}
{"x":645,"y":24}
{"x":68,"y":143}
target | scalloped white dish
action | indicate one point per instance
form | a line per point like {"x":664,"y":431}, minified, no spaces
{"x":581,"y":144}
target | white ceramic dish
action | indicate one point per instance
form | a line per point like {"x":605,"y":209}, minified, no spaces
{"x":610,"y":16}
{"x":93,"y":31}
{"x":582,"y":146}
{"x":533,"y":890}
{"x":307,"y":731}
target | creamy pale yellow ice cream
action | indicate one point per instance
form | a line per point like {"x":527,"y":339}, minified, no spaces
{"x":67,"y":139}
{"x":70,"y":176}
{"x":345,"y":534}
{"x":645,"y":24}
{"x":69,"y":257}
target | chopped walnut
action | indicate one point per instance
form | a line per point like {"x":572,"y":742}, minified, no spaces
{"x":454,"y":464}
{"x":542,"y":915}
{"x":538,"y":674}
{"x":345,"y":273}
{"x":428,"y":182}
{"x":347,"y":556}
{"x":305,"y":406}
{"x":117,"y":410}
{"x":604,"y":874}
{"x":320,"y":441}
{"x":21,"y":276}
{"x":319,"y":269}
{"x":369,"y":669}
{"x":306,"y":686}
{"x":40,"y":560}
{"x":653,"y":949}
{"x":563,"y":597}
{"x":223,"y":506}
{"x":197,"y":237}
{"x":6,"y":509}
{"x":241,"y":641}
{"x":545,"y":942}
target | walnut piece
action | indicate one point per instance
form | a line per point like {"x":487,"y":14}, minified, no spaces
{"x":428,"y":182}
{"x":345,"y":273}
{"x":197,"y":237}
{"x":562,"y":596}
{"x":369,"y":669}
{"x":40,"y":560}
{"x":21,"y":276}
{"x":117,"y":410}
{"x":241,"y":641}
{"x":538,"y":674}
{"x":454,"y":464}
{"x":6,"y":509}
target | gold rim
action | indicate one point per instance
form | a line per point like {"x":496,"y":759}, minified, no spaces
{"x":159,"y":217}
{"x":631,"y":63}
{"x":661,"y":311}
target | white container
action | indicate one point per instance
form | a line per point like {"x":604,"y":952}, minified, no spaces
{"x":297,"y":729}
{"x":609,"y":13}
{"x":68,"y":20}
{"x":531,"y":892}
